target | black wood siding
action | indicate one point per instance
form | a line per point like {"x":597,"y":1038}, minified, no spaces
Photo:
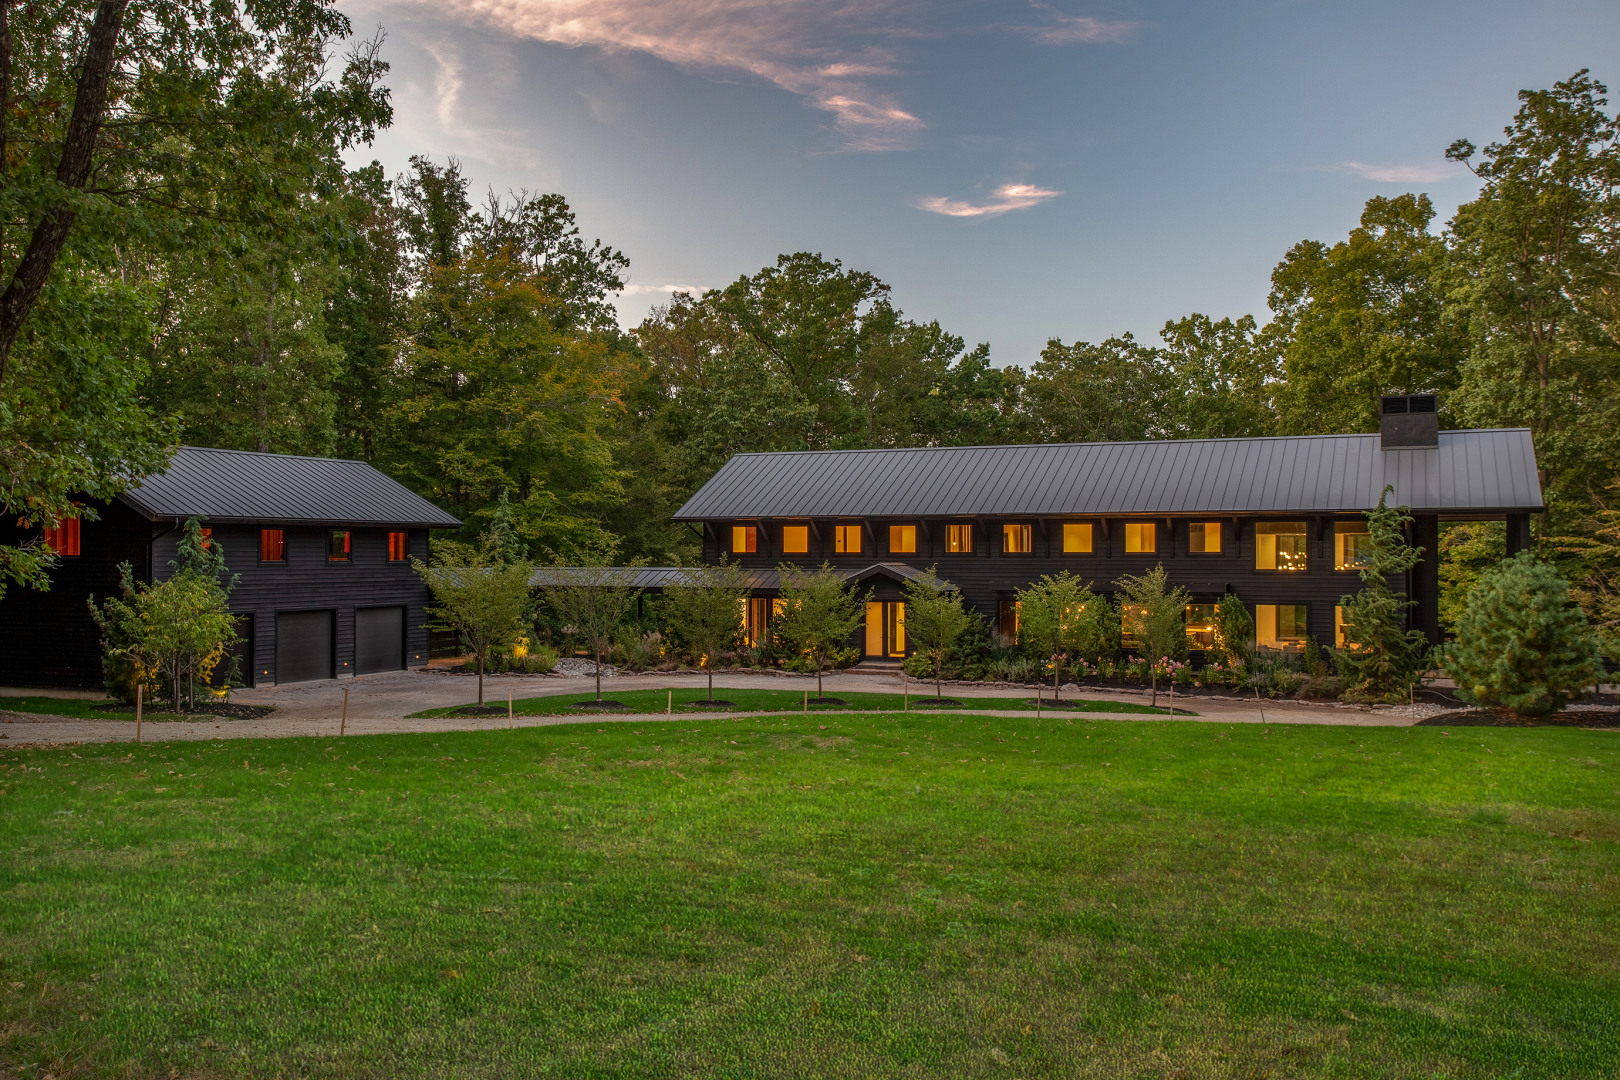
{"x":988,"y":575}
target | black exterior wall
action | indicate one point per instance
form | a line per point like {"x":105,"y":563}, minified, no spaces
{"x":989,"y":575}
{"x":49,"y":640}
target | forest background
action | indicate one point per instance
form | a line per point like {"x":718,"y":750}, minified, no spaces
{"x":226,"y":280}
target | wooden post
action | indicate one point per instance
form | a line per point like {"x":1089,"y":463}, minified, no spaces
{"x":343,"y":724}
{"x":508,"y":708}
{"x":139,"y":687}
{"x":1037,"y":701}
{"x":807,"y":702}
{"x":669,"y":705}
{"x":1172,"y":695}
{"x":1259,"y":704}
{"x":905,"y":689}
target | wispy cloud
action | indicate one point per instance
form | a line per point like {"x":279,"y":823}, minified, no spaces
{"x":826,"y":51}
{"x":447,"y":82}
{"x":1078,"y":29}
{"x":1398,"y":174}
{"x":1004,"y":198}
{"x":654,"y":290}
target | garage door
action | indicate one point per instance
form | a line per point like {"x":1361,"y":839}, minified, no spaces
{"x":379,"y":639}
{"x":303,"y":646}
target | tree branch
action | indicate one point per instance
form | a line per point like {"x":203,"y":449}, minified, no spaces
{"x":72,"y":171}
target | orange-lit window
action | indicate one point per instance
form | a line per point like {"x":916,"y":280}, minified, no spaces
{"x":207,"y":536}
{"x":272,"y":545}
{"x":1007,"y":620}
{"x":337,"y":545}
{"x":1204,"y":537}
{"x":795,"y":539}
{"x":1141,"y":536}
{"x":1279,"y":545}
{"x":903,"y":539}
{"x":399,"y":546}
{"x":744,"y":540}
{"x":959,"y":539}
{"x":1017,"y":538}
{"x":63,"y":539}
{"x":1076,"y":538}
{"x":847,"y":539}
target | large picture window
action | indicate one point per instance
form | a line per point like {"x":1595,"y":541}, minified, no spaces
{"x":959,"y":539}
{"x":1352,"y":543}
{"x":903,"y":539}
{"x":1280,"y":626}
{"x":1141,"y":537}
{"x":795,"y":539}
{"x":847,"y":539}
{"x":63,"y":537}
{"x":1279,"y":545}
{"x":1076,"y":538}
{"x":1204,"y":537}
{"x":272,"y":545}
{"x":1016,"y":539}
{"x":744,"y":540}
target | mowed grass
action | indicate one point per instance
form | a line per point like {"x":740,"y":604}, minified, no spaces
{"x":688,"y":700}
{"x":822,"y":896}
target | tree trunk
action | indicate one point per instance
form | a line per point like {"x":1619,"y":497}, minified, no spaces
{"x":1155,"y":676}
{"x":72,"y":171}
{"x":1057,"y":669}
{"x":818,"y":676}
{"x":710,"y":669}
{"x":937,"y":665}
{"x":598,"y":655}
{"x":480,"y":678}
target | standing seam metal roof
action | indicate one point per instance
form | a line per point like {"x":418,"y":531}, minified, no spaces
{"x":245,"y":486}
{"x":1486,"y":470}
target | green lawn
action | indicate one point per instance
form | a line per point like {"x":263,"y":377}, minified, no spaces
{"x":822,"y":896}
{"x":655,"y":701}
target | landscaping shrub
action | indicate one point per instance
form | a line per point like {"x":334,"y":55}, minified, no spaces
{"x":1385,"y":658}
{"x":636,"y":649}
{"x":1522,"y":643}
{"x":1234,"y":631}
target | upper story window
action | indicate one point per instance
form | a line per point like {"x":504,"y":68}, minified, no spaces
{"x":1352,"y":544}
{"x":1204,"y":537}
{"x":795,"y":539}
{"x":399,"y":546}
{"x":847,"y":539}
{"x":1141,"y":537}
{"x":63,"y":537}
{"x":1279,"y":545}
{"x":744,"y":540}
{"x":902,"y":539}
{"x":1076,"y":538}
{"x":1017,"y":539}
{"x":272,"y":545}
{"x":337,"y":545}
{"x":959,"y":539}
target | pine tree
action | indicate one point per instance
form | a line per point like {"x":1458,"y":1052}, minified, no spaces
{"x":1384,"y":658}
{"x":1522,"y":643}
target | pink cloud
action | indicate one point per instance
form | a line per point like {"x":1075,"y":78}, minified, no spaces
{"x":1078,"y":29}
{"x":1005,"y":198}
{"x":1398,"y":174}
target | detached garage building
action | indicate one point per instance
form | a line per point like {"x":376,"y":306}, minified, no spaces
{"x":322,"y":547}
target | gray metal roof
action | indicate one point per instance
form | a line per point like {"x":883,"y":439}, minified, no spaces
{"x":660,"y":577}
{"x":243,"y":486}
{"x":1490,"y":470}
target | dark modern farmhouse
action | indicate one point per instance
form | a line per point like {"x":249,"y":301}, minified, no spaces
{"x":322,"y":547}
{"x":1277,"y":521}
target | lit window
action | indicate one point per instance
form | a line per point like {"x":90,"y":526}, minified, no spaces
{"x":755,"y":612}
{"x":903,"y":539}
{"x":399,"y":546}
{"x":795,"y":539}
{"x":337,"y":545}
{"x":1352,"y":543}
{"x":1141,"y":536}
{"x":1132,"y":620}
{"x":272,"y":545}
{"x":1280,"y":626}
{"x":1279,"y":545}
{"x":1016,"y":538}
{"x":207,"y":538}
{"x":1339,"y":637}
{"x":1007,"y":620}
{"x":63,"y":538}
{"x":959,"y":539}
{"x":847,"y":539}
{"x":743,"y":540}
{"x":1076,"y":539}
{"x":1200,"y":626}
{"x":1204,"y":536}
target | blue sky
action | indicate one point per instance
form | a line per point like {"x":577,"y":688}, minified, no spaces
{"x":1018,"y":171}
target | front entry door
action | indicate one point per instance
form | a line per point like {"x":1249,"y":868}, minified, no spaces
{"x":886,"y":629}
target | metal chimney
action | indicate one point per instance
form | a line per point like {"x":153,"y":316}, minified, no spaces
{"x":1409,"y":422}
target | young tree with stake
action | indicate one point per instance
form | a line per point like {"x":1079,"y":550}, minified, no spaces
{"x":1050,"y":613}
{"x":818,"y":613}
{"x":1156,"y":615}
{"x":479,"y":598}
{"x":704,"y":608}
{"x":594,"y":598}
{"x":935,"y":618}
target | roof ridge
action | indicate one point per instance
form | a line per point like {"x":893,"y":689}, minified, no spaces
{"x":276,"y":454}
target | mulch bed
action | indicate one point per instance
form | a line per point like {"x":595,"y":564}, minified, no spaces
{"x":936,"y":703}
{"x":600,"y":706}
{"x":480,"y":710}
{"x":228,"y":709}
{"x":1048,"y":703}
{"x":1580,"y":718}
{"x":827,"y":701}
{"x":716,"y":704}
